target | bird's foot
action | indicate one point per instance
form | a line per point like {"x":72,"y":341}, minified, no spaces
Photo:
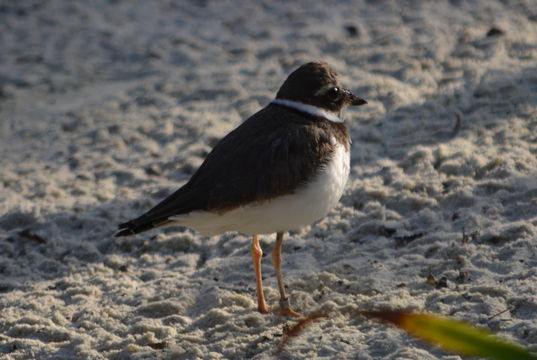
{"x":285,"y":309}
{"x":263,"y":310}
{"x":289,"y":312}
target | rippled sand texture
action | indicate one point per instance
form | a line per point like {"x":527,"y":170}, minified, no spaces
{"x":106,"y":107}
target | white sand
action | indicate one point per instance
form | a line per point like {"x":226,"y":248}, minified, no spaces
{"x":108,"y":106}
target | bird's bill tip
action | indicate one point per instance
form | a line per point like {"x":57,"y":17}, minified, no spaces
{"x":358,"y":101}
{"x":354,"y":100}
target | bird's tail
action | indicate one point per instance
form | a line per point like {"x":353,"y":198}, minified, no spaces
{"x":140,"y":225}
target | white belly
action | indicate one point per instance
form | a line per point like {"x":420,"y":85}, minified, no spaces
{"x":288,"y":212}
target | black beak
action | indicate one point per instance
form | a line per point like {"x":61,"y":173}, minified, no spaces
{"x":354,"y":100}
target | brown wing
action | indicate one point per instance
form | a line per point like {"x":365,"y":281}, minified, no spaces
{"x":271,"y":154}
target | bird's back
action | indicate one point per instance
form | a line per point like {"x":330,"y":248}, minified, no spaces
{"x":271,"y":154}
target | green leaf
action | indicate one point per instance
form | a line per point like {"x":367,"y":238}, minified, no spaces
{"x":452,"y":335}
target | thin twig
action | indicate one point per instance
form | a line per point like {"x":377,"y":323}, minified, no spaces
{"x":457,"y":127}
{"x":297,"y":329}
{"x":498,"y":314}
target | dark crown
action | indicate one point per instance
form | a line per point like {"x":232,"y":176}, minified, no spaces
{"x":316,"y":84}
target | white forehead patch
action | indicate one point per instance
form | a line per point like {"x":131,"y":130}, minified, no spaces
{"x":311,"y":110}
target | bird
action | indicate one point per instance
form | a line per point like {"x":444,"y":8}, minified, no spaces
{"x":282,"y":169}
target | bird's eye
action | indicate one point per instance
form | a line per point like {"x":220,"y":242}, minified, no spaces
{"x":333,"y":93}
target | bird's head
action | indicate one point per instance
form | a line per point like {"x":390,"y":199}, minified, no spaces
{"x":315,"y":84}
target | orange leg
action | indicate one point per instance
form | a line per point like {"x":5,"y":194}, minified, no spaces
{"x":285,"y":308}
{"x":257,"y":252}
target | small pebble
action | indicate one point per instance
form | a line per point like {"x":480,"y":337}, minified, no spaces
{"x":494,"y":31}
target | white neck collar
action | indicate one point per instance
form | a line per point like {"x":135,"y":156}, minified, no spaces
{"x":310,"y":109}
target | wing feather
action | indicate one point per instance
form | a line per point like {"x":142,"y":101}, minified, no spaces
{"x":271,"y":154}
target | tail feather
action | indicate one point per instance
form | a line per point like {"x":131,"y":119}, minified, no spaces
{"x":139,"y":225}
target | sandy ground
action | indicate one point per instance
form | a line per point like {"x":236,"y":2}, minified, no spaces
{"x":108,"y":106}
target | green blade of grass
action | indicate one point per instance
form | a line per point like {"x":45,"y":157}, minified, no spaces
{"x":452,"y":335}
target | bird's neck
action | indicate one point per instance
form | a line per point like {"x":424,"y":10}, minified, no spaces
{"x":336,"y":117}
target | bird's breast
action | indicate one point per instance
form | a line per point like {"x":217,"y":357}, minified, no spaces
{"x":307,"y":204}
